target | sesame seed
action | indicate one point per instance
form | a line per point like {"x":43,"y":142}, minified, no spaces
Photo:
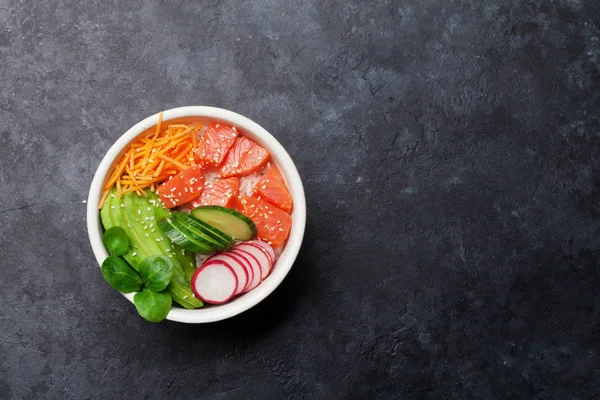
{"x":134,"y":253}
{"x":122,"y":205}
{"x":112,"y":195}
{"x":147,"y":235}
{"x":139,"y":212}
{"x":112,"y":207}
{"x":280,"y":229}
{"x":84,"y":201}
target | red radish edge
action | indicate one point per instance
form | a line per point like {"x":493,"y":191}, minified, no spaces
{"x":266,"y":247}
{"x":263,"y":260}
{"x":205,"y":297}
{"x":253,"y":263}
{"x":238,"y":267}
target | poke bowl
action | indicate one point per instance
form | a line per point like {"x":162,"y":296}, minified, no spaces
{"x":196,"y":214}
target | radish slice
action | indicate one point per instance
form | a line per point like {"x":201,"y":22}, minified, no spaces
{"x":214,"y":282}
{"x":238,"y":267}
{"x":253,"y":264}
{"x":261,"y":257}
{"x":267,"y":247}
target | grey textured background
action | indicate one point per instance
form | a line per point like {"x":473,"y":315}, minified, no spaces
{"x":450,"y":154}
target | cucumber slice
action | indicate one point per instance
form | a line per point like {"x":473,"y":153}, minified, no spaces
{"x":183,"y":237}
{"x":228,"y":221}
{"x":210,"y":233}
{"x":200,"y":235}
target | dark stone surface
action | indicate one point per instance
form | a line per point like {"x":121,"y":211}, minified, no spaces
{"x":450,"y":154}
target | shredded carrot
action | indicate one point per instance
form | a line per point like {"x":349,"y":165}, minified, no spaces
{"x":174,"y":162}
{"x":153,"y":158}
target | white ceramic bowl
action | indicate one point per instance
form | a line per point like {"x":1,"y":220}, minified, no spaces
{"x":279,"y":156}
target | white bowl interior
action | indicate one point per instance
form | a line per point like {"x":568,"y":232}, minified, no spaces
{"x":279,"y":156}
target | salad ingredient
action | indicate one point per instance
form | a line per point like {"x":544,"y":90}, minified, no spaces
{"x":263,"y":260}
{"x":241,"y":271}
{"x":180,"y":235}
{"x":116,"y":241}
{"x":245,"y":157}
{"x":152,"y":306}
{"x":156,"y":272}
{"x":215,"y":282}
{"x":138,"y":216}
{"x":228,"y":221}
{"x":271,"y":188}
{"x":222,"y":192}
{"x":272,"y":224}
{"x":193,"y":234}
{"x":214,"y":144}
{"x":252,"y":264}
{"x":181,"y":188}
{"x":152,"y":158}
{"x":194,"y":179}
{"x":212,"y":234}
{"x":233,"y":272}
{"x":265,"y":247}
{"x":120,"y":275}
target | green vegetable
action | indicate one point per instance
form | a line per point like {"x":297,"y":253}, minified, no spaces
{"x":138,"y":216}
{"x":120,"y":275}
{"x":116,"y":241}
{"x":193,"y":234}
{"x":210,"y":233}
{"x":152,"y":306}
{"x":179,"y":234}
{"x":226,"y":220}
{"x":156,"y":272}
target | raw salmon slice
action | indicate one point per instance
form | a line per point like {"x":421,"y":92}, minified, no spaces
{"x":181,"y":188}
{"x":244,"y":157}
{"x":214,"y":144}
{"x":272,"y":188}
{"x":272,"y":223}
{"x":222,"y":192}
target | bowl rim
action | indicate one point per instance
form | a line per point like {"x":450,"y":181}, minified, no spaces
{"x":278,"y":155}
